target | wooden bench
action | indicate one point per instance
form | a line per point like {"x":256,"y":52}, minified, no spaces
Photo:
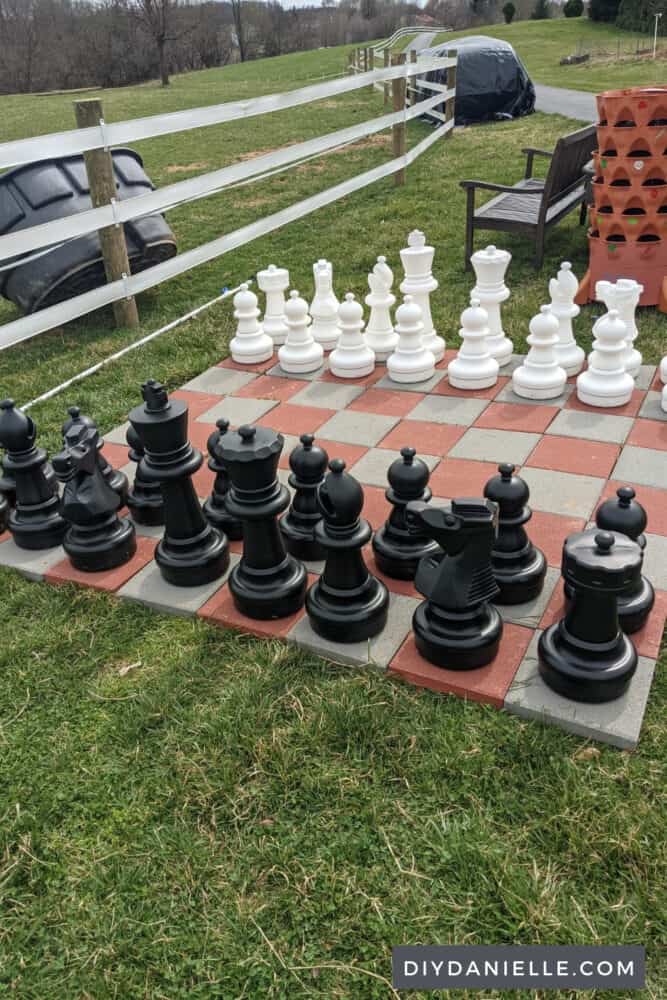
{"x":533,"y":205}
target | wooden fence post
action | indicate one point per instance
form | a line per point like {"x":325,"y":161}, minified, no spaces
{"x":102,"y":183}
{"x":451,"y":85}
{"x":387,"y":84}
{"x":398,"y":130}
{"x":412,"y":82}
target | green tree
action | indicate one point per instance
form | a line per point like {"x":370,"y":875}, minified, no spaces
{"x":603,"y":10}
{"x":509,"y":10}
{"x":541,"y":11}
{"x":573,"y":8}
{"x":639,"y":15}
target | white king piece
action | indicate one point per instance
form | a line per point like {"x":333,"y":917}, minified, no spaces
{"x":562,"y":290}
{"x":417,"y":260}
{"x":490,"y":266}
{"x":380,"y":335}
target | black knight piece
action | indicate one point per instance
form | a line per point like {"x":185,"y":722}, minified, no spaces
{"x":72,"y":428}
{"x":215,"y":508}
{"x":144,"y":497}
{"x":268,"y":582}
{"x":398,"y":549}
{"x":191,"y":552}
{"x":347,"y":603}
{"x":457,"y":627}
{"x":518,"y":567}
{"x":308,"y":465}
{"x":585,"y":656}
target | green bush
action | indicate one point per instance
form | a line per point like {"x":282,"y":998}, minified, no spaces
{"x":639,"y":15}
{"x":603,"y":10}
{"x":573,"y":8}
{"x":509,"y":10}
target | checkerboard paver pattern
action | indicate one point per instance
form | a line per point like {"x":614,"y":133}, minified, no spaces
{"x":572,"y":457}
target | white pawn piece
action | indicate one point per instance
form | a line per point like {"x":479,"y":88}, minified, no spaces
{"x":663,"y":370}
{"x":299,"y":353}
{"x":380,"y":334}
{"x":473,"y":367}
{"x":663,"y":399}
{"x":250,"y":345}
{"x":606,"y":382}
{"x":540,"y":376}
{"x":274,"y":281}
{"x":623,"y":295}
{"x":352,"y":358}
{"x":490,"y":266}
{"x":562,"y":290}
{"x":411,"y":361}
{"x":324,"y":307}
{"x":417,"y":259}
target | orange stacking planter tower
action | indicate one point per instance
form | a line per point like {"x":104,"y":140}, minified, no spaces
{"x":627,"y":237}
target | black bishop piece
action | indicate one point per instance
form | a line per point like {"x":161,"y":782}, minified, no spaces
{"x":215,"y":508}
{"x":308,"y":465}
{"x":396,"y":547}
{"x":144,"y":497}
{"x":518,"y":567}
{"x":71,"y":430}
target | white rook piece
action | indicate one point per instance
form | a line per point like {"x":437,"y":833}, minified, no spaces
{"x":417,"y":260}
{"x":411,"y":361}
{"x":540,"y":376}
{"x":623,"y":295}
{"x":250,"y":345}
{"x":380,"y":334}
{"x":324,"y":307}
{"x":274,"y":281}
{"x":352,"y":358}
{"x":473,"y":367}
{"x":299,"y":353}
{"x":606,"y":382}
{"x":562,"y":290}
{"x":490,"y":266}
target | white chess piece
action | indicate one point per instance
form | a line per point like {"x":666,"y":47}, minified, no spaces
{"x":663,"y":370}
{"x":473,"y":367}
{"x":623,"y":295}
{"x":324,"y":307}
{"x":299,"y":353}
{"x":380,"y":334}
{"x":490,"y":266}
{"x":540,"y":376}
{"x":274,"y":281}
{"x":417,"y":259}
{"x":663,"y":399}
{"x":562,"y":290}
{"x":352,"y":358}
{"x":606,"y":382}
{"x":250,"y":345}
{"x":411,"y":361}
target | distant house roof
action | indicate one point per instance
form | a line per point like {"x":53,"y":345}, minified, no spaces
{"x":425,"y":19}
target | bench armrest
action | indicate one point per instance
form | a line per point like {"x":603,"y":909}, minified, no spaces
{"x":531,"y":152}
{"x":487,"y":186}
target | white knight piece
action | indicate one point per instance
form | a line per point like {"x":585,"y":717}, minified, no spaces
{"x":417,"y":260}
{"x":380,"y":334}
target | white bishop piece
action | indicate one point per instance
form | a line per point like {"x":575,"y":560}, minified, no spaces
{"x":274,"y":281}
{"x":562,"y":290}
{"x":250,"y":345}
{"x":411,"y":361}
{"x":540,"y":376}
{"x":324,"y":307}
{"x":490,"y":266}
{"x":299,"y":353}
{"x":473,"y":367}
{"x":380,"y":334}
{"x":352,"y":358}
{"x":417,"y":260}
{"x":623,"y":295}
{"x":606,"y":382}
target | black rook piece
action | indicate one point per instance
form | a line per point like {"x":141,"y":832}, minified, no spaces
{"x":347,"y":603}
{"x":72,"y":428}
{"x":398,"y":548}
{"x":457,"y":627}
{"x":518,"y":567}
{"x":308,"y":465}
{"x":144,"y":497}
{"x":585,"y":656}
{"x":215,"y":507}
{"x":35,"y":522}
{"x":191,"y":552}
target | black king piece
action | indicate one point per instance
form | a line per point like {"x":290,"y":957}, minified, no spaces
{"x":191,"y":552}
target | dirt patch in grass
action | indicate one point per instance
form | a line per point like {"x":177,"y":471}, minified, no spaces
{"x":186,"y":168}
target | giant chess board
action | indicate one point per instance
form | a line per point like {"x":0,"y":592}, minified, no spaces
{"x":571,"y":455}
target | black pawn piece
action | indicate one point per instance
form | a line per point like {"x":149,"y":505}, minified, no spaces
{"x":628,"y":516}
{"x":347,"y":603}
{"x":144,"y":497}
{"x":71,"y":428}
{"x":308,"y":465}
{"x":267,"y":582}
{"x":191,"y":552}
{"x":215,"y":508}
{"x":397,"y":549}
{"x":97,"y":538}
{"x":518,"y":567}
{"x":457,"y":627}
{"x":35,"y":522}
{"x":7,"y":486}
{"x":4,"y":514}
{"x":585,"y":656}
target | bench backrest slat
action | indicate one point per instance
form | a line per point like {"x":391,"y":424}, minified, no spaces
{"x":570,"y":156}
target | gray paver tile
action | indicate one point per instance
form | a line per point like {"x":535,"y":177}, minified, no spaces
{"x":651,"y":408}
{"x":643,"y":466}
{"x":645,"y":376}
{"x":459,"y":410}
{"x":149,"y":588}
{"x":32,"y":563}
{"x":349,"y":427}
{"x":117,"y":434}
{"x":239,"y":410}
{"x":591,"y":426}
{"x":371,"y":469}
{"x":388,"y":383}
{"x":506,"y":395}
{"x":495,"y":446}
{"x":278,"y":372}
{"x":530,"y":613}
{"x":219,"y":381}
{"x":329,"y":395}
{"x":563,"y":492}
{"x":655,"y":560}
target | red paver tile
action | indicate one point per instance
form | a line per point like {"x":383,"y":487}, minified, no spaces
{"x":258,"y":369}
{"x":488,"y":684}
{"x":630,"y":409}
{"x":221,"y":610}
{"x":461,"y":477}
{"x":203,"y":479}
{"x":116,"y":454}
{"x":445,"y":389}
{"x":556,"y":608}
{"x":517,"y":417}
{"x":292,"y":419}
{"x":426,"y":437}
{"x":110,"y":580}
{"x":198,"y":402}
{"x":376,"y":506}
{"x":649,"y":434}
{"x":386,"y":402}
{"x":406,"y":587}
{"x":5,"y":536}
{"x":649,"y":638}
{"x":549,"y":531}
{"x":567,"y":454}
{"x":378,"y":372}
{"x":448,"y":356}
{"x":271,"y":387}
{"x":653,"y":501}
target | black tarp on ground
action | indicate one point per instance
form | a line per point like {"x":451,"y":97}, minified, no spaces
{"x":491,"y":81}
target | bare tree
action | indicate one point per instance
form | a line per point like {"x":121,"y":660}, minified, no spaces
{"x":157,"y":18}
{"x":239,"y":29}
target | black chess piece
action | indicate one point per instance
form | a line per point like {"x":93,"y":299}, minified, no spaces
{"x":456,"y":626}
{"x":97,"y":538}
{"x":308,"y":465}
{"x":191,"y":551}
{"x":397,"y":549}
{"x":36,"y":521}
{"x":585,"y":656}
{"x":268,"y":582}
{"x":4,"y":514}
{"x":144,"y":497}
{"x":215,"y":508}
{"x":71,"y":428}
{"x":7,"y":486}
{"x":347,"y":603}
{"x":518,"y":567}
